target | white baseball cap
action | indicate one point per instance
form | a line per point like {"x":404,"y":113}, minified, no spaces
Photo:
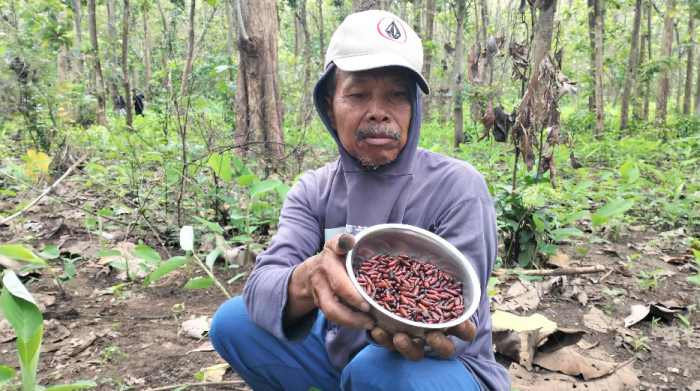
{"x":376,"y":39}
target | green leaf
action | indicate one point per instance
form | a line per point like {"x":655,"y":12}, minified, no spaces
{"x":118,"y":265}
{"x":212,"y":256}
{"x":199,"y":283}
{"x":549,"y":249}
{"x":237,"y":276}
{"x":20,"y":253}
{"x":221,"y":166}
{"x":95,"y":166}
{"x":264,"y":186}
{"x":573,"y":217}
{"x":199,"y":376}
{"x":212,"y":226}
{"x":211,"y":2}
{"x":79,"y":385}
{"x":538,"y":223}
{"x":615,"y":208}
{"x":8,"y":192}
{"x":187,"y":238}
{"x":50,"y":252}
{"x":245,"y":179}
{"x":28,"y":352}
{"x":221,"y":69}
{"x":180,"y":388}
{"x":282,"y":191}
{"x":598,"y":221}
{"x":527,"y":277}
{"x":240,"y":239}
{"x":148,"y":254}
{"x":107,"y":253}
{"x":581,"y":186}
{"x":6,"y":375}
{"x":568,"y":232}
{"x":19,"y":307}
{"x":166,"y":267}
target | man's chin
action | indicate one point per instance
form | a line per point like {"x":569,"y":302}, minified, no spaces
{"x":376,"y":161}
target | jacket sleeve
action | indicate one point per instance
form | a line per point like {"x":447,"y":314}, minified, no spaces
{"x":471,"y":227}
{"x":297,"y":239}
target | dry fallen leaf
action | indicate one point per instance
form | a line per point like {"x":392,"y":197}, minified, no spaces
{"x":569,"y":362}
{"x":622,"y":379}
{"x":641,"y":312}
{"x":597,"y":320}
{"x":522,"y":294}
{"x":196,"y":328}
{"x":215,"y":373}
{"x":560,"y":259}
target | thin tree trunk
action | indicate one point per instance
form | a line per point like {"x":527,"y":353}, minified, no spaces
{"x":591,"y":38}
{"x":188,"y":58}
{"x":320,"y":33}
{"x":689,"y":67}
{"x":166,"y":41}
{"x":647,"y":95}
{"x":638,"y":105}
{"x":149,"y":52}
{"x":97,"y":74}
{"x":125,"y":68}
{"x":259,"y":111}
{"x":679,"y":84}
{"x":77,"y":19}
{"x":599,"y":105}
{"x":112,"y":31}
{"x":428,"y":56}
{"x":298,"y":39}
{"x":631,"y":66}
{"x":457,"y":73}
{"x":662,"y":89}
{"x":417,"y":8}
{"x":484,"y":20}
{"x":229,"y":32}
{"x":306,"y":108}
{"x":62,"y":57}
{"x":696,"y":111}
{"x":364,"y":5}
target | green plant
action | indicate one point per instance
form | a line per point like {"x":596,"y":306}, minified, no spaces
{"x":605,"y":215}
{"x":654,"y":323}
{"x":21,"y":311}
{"x":111,"y":355}
{"x":638,"y":343}
{"x":695,"y":249}
{"x":613,"y":298}
{"x":648,"y":281}
{"x":630,"y":258}
{"x":685,"y":324}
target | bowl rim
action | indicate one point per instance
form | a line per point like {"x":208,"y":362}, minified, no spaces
{"x":448,"y":246}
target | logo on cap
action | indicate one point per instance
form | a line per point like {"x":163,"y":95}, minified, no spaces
{"x":392,"y":29}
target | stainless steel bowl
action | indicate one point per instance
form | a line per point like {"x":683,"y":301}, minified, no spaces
{"x":418,"y":244}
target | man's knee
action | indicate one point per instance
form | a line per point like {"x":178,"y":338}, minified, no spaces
{"x":230,"y":325}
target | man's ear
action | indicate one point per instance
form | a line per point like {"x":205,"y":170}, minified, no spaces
{"x":328,"y":106}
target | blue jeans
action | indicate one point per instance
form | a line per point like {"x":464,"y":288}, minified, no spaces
{"x":266,"y":363}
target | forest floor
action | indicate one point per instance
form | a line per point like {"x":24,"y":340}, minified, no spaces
{"x":146,"y":324}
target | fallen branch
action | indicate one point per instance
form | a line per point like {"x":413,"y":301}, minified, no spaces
{"x":553,"y":272}
{"x":203,"y":384}
{"x":47,"y":191}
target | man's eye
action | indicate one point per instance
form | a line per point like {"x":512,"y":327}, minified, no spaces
{"x":359,"y":96}
{"x":399,"y":94}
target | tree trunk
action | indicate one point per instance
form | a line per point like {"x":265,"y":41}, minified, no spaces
{"x":679,"y":84}
{"x":696,"y":111}
{"x":62,"y":57}
{"x":417,"y":7}
{"x":364,"y":5}
{"x":97,"y":74}
{"x":428,"y":58}
{"x":662,"y":89}
{"x":112,"y":31}
{"x":457,"y":73}
{"x":229,"y":32}
{"x":125,"y":68}
{"x":484,"y":20}
{"x":320,"y":33}
{"x":689,"y":67}
{"x":638,"y":106}
{"x":188,"y":58}
{"x":149,"y":52}
{"x":631,"y":66}
{"x":647,"y":95}
{"x":77,"y":19}
{"x":306,"y":105}
{"x":166,"y":41}
{"x":260,"y":109}
{"x":599,"y":105}
{"x":591,"y":38}
{"x":298,"y":39}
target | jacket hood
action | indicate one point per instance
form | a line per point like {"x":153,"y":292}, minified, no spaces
{"x":403,"y":164}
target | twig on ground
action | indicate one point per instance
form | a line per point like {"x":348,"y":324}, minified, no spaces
{"x":203,"y":384}
{"x":554,"y":272}
{"x":47,"y":191}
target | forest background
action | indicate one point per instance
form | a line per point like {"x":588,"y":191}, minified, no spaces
{"x":583,"y":117}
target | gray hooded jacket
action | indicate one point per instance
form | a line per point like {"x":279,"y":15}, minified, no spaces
{"x":420,"y":188}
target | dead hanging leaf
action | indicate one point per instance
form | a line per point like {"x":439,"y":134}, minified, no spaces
{"x":622,"y":379}
{"x":574,"y":163}
{"x":597,"y":320}
{"x":472,"y":67}
{"x":478,"y":78}
{"x":523,"y":6}
{"x":196,"y":327}
{"x":448,"y":48}
{"x":641,"y":312}
{"x":487,"y":120}
{"x":559,"y":259}
{"x":215,"y":373}
{"x":502,"y":125}
{"x":491,"y":49}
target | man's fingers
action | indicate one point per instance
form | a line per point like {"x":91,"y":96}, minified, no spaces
{"x":411,"y":349}
{"x":440,"y":343}
{"x":383,"y":338}
{"x":341,"y":243}
{"x":466,"y":331}
{"x":341,"y":314}
{"x":342,"y":286}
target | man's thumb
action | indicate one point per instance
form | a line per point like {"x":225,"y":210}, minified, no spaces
{"x":341,"y":243}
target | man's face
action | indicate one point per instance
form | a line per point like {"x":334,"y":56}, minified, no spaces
{"x":371,"y":112}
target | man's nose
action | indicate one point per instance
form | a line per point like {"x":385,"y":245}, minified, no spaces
{"x":378,"y":112}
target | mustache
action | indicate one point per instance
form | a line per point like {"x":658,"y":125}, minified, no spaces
{"x":376,"y":131}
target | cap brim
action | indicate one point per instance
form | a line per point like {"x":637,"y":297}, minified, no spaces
{"x":379,"y":60}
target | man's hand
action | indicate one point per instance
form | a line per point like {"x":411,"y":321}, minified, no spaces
{"x":323,"y":282}
{"x":412,"y":349}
